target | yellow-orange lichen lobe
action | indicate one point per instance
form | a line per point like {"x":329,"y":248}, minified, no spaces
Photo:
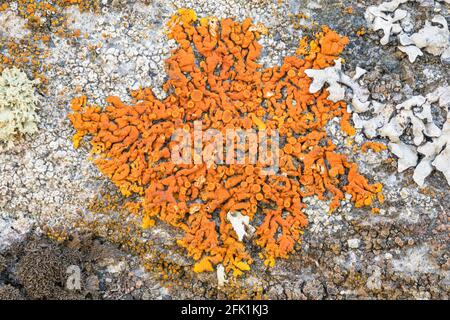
{"x":214,"y":77}
{"x":375,"y":146}
{"x":348,"y":10}
{"x":332,"y":43}
{"x":361,"y":31}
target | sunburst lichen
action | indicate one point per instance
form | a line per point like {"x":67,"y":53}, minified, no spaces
{"x":214,"y":77}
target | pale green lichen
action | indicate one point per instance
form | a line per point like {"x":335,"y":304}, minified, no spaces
{"x":18,"y":105}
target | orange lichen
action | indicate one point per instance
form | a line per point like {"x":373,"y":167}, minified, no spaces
{"x":348,"y":10}
{"x":214,"y":77}
{"x":147,"y":222}
{"x":361,"y":31}
{"x":298,"y":19}
{"x":375,"y":146}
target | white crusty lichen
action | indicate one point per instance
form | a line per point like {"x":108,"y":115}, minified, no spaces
{"x":409,"y":116}
{"x":406,"y":154}
{"x":411,"y":119}
{"x":411,"y":51}
{"x":436,"y":153}
{"x":413,"y":135}
{"x":337,"y":80}
{"x":18,"y":105}
{"x":386,"y":17}
{"x":434,"y":39}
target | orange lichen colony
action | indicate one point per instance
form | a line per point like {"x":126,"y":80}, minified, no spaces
{"x":375,"y":146}
{"x":214,"y":77}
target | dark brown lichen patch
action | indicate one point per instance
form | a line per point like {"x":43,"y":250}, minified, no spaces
{"x":8,"y":292}
{"x":42,"y":271}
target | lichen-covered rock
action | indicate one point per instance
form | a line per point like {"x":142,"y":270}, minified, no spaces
{"x":436,"y":153}
{"x":13,"y":231}
{"x":202,"y":205}
{"x":413,"y":118}
{"x":42,"y":272}
{"x":13,"y":25}
{"x":18,"y":105}
{"x":314,"y":289}
{"x":433,"y":39}
{"x":8,"y":292}
{"x":380,"y":18}
{"x":337,"y":80}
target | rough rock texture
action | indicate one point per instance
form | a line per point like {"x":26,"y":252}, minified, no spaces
{"x":401,"y":252}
